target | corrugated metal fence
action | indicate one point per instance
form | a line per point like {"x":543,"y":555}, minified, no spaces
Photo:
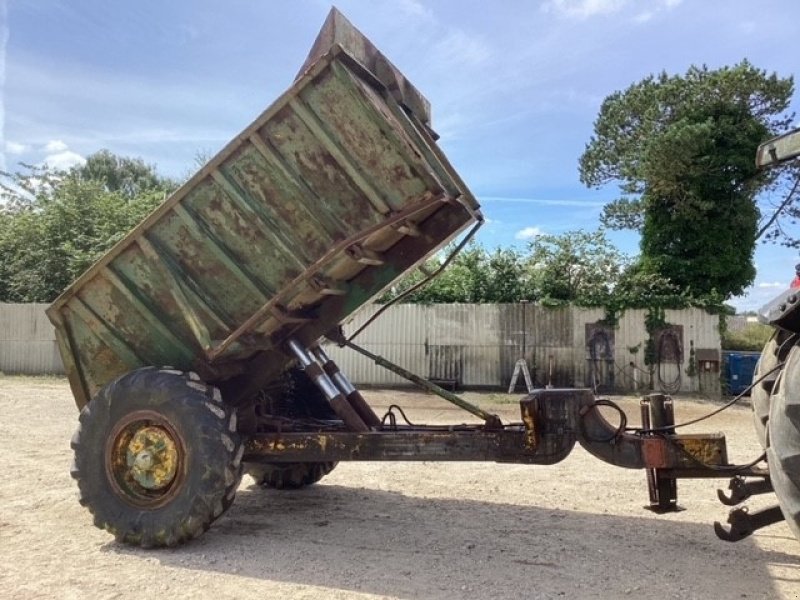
{"x":478,"y":346}
{"x":27,"y":341}
{"x":472,"y":345}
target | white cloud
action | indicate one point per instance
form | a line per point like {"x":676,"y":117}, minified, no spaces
{"x":416,"y":9}
{"x":182,"y":106}
{"x":59,"y":156}
{"x":772,"y":284}
{"x":660,"y":6}
{"x":528,"y":233}
{"x":55,"y":146}
{"x":64,"y":160}
{"x":545,"y":201}
{"x":583,"y":9}
{"x":15,"y":148}
{"x":459,"y":48}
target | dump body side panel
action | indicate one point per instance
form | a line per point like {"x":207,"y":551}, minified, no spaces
{"x":328,"y":197}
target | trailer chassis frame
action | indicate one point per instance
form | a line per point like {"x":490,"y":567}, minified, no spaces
{"x":552,"y":422}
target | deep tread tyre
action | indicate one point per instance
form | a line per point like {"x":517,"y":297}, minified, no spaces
{"x":762,"y":391}
{"x":289,"y":476}
{"x":168,"y":419}
{"x":783,"y":453}
{"x":294,"y":395}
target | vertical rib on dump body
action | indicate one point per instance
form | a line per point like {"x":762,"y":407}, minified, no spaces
{"x":333,"y":193}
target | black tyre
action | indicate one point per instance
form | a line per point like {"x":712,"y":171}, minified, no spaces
{"x":762,"y":391}
{"x":783,"y":452}
{"x":289,"y":476}
{"x":157,"y":457}
{"x":293,"y":396}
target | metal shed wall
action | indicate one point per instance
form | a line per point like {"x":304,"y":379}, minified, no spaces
{"x":27,"y":341}
{"x":476,"y":345}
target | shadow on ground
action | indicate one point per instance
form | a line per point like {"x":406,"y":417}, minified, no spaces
{"x":382,"y":542}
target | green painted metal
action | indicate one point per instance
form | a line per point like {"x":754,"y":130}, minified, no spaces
{"x":334,"y":192}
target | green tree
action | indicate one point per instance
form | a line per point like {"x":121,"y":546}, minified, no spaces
{"x":474,"y":275}
{"x":130,"y":177}
{"x":55,"y":224}
{"x":682,"y":149}
{"x":638,"y":287}
{"x":579,"y":267}
{"x":507,"y":280}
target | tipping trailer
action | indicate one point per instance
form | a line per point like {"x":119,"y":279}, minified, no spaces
{"x":194,"y":347}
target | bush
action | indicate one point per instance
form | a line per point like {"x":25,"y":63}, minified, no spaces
{"x":752,"y":337}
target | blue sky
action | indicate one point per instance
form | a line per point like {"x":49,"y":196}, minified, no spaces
{"x":515,"y":86}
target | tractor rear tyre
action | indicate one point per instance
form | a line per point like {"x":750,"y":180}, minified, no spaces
{"x":773,"y":353}
{"x":289,"y":476}
{"x":157,"y":457}
{"x":783,"y":452}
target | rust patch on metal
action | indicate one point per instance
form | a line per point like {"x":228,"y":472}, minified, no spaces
{"x":529,"y":419}
{"x":655,"y":453}
{"x":704,"y":449}
{"x":144,"y":459}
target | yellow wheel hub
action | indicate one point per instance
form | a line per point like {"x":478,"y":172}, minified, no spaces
{"x":152,"y":458}
{"x":144,"y":459}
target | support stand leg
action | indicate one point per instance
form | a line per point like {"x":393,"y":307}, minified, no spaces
{"x":658,"y":413}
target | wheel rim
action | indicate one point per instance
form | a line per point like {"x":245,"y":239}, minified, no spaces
{"x":144,"y":459}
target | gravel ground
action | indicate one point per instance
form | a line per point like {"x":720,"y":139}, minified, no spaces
{"x":390,"y":530}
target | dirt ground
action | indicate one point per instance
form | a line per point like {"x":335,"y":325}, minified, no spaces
{"x":389,"y":530}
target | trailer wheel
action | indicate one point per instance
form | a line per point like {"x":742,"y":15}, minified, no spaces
{"x":774,"y":352}
{"x":289,"y":476}
{"x":157,"y":457}
{"x":783,"y":452}
{"x":293,"y":395}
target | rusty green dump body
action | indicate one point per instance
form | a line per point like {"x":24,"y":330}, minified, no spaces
{"x":330,"y":195}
